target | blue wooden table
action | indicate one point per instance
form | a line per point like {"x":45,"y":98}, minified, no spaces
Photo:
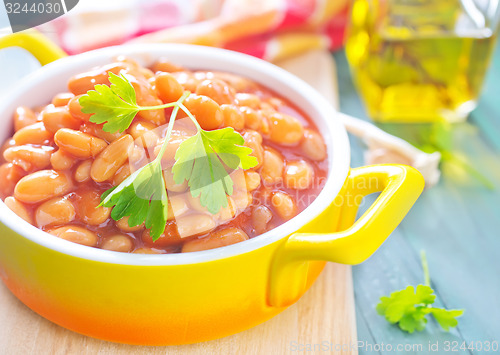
{"x":456,"y":222}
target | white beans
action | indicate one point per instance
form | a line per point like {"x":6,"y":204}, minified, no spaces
{"x":253,"y":140}
{"x":87,"y":210}
{"x":299,"y":175}
{"x":195,"y":203}
{"x":55,"y":118}
{"x":57,"y":211}
{"x":285,"y":129}
{"x":194,"y":224}
{"x":82,"y":173}
{"x":248,"y":100}
{"x":261,"y":216}
{"x":124,"y":226}
{"x":61,"y":160}
{"x":284,"y":205}
{"x":119,"y":242}
{"x":23,"y":117}
{"x":121,"y":174}
{"x":143,"y":133}
{"x":18,"y":208}
{"x":171,"y":184}
{"x":272,"y":168}
{"x":226,"y":213}
{"x":177,"y":207}
{"x":313,"y":145}
{"x":242,"y":200}
{"x":252,"y":179}
{"x":76,"y":234}
{"x":38,"y":157}
{"x":233,"y":117}
{"x":79,"y":144}
{"x":32,"y":134}
{"x":42,"y":185}
{"x":216,"y":239}
{"x":111,"y":159}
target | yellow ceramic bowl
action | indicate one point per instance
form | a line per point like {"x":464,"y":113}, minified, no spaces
{"x":187,"y":298}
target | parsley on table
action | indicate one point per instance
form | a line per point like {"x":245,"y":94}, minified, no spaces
{"x":409,"y":307}
{"x":203,"y":160}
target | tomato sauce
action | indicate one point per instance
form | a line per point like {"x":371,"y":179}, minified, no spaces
{"x":57,"y":142}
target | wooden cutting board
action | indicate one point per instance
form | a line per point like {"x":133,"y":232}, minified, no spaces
{"x":325,"y":315}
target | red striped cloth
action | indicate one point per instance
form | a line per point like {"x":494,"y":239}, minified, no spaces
{"x":269,"y":29}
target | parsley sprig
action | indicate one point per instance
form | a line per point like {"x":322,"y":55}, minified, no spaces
{"x":409,"y":307}
{"x":204,"y":160}
{"x":115,"y":105}
{"x":201,"y":158}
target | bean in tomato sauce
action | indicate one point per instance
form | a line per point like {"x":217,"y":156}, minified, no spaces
{"x":57,"y":163}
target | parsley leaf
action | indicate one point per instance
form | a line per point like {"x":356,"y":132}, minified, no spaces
{"x":397,"y":305}
{"x":114,"y":105}
{"x":408,"y":307}
{"x":202,"y":160}
{"x":413,"y":321}
{"x":121,"y":86}
{"x":143,"y":197}
{"x":446,"y":318}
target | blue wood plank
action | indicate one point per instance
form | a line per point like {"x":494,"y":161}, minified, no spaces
{"x":456,"y":222}
{"x":487,"y":114}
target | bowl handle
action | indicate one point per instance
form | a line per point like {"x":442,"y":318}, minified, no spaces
{"x":400,"y":187}
{"x":42,"y":48}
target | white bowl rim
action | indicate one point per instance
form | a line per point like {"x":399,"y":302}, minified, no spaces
{"x":338,"y":148}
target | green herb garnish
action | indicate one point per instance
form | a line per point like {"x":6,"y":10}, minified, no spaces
{"x":204,"y":160}
{"x":114,"y":105}
{"x":408,"y":308}
{"x":201,"y":158}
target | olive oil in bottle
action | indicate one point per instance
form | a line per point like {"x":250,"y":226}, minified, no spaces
{"x":419,"y":60}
